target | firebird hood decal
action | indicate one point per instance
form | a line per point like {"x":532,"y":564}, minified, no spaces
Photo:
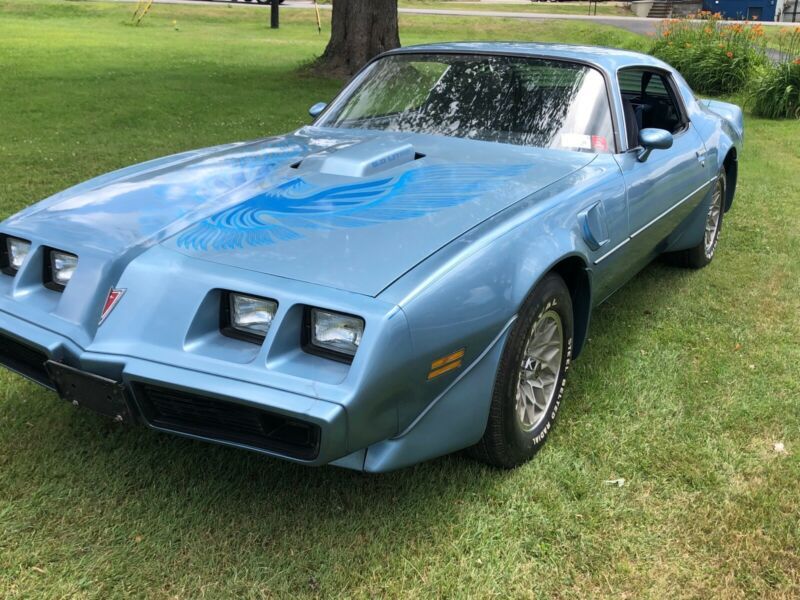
{"x":285,"y":211}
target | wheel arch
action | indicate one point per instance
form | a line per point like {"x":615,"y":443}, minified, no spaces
{"x":731,"y":166}
{"x":574,"y":270}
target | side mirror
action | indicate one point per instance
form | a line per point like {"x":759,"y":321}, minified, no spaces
{"x":653,"y":139}
{"x":315,"y":110}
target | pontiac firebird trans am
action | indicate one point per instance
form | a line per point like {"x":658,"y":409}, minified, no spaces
{"x":409,"y":276}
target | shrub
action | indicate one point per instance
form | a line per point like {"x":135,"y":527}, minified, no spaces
{"x":775,"y":91}
{"x":714,"y":58}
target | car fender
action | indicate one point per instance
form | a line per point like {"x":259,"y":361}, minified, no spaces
{"x":470,"y":291}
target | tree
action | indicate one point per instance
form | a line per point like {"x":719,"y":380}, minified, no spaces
{"x":360,"y":29}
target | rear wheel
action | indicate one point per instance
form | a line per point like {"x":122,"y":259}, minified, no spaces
{"x":530,"y":378}
{"x":702,"y":254}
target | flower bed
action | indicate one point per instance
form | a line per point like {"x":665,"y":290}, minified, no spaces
{"x":714,"y":57}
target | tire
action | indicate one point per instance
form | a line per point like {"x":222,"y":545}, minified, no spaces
{"x":702,"y":254}
{"x":518,"y":425}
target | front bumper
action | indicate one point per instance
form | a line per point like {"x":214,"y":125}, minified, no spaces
{"x":190,"y":403}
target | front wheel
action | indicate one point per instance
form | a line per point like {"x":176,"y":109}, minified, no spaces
{"x":531,"y":377}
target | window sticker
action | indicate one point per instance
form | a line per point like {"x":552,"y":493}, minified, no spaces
{"x":599,"y":143}
{"x":576,"y":140}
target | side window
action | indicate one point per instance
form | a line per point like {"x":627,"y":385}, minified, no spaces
{"x":648,"y":101}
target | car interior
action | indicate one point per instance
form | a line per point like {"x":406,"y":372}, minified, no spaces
{"x":648,"y":101}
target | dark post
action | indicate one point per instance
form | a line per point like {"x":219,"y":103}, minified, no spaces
{"x":274,"y":17}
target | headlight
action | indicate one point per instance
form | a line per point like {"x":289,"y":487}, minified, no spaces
{"x":334,"y":334}
{"x":16,"y":251}
{"x":61,"y":268}
{"x":247,"y":317}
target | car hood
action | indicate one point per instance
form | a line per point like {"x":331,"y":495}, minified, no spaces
{"x":348,"y":209}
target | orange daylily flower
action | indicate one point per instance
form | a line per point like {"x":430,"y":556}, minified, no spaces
{"x":729,"y":54}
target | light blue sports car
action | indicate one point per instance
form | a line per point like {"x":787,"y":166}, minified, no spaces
{"x":409,"y":276}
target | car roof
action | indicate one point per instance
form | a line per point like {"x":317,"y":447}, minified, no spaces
{"x":608,"y":59}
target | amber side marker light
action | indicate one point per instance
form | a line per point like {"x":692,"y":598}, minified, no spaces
{"x":446,"y":363}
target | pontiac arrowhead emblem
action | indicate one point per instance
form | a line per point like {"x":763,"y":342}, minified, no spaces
{"x":114,"y":297}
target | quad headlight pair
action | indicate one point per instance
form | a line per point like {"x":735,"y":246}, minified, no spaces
{"x":326,"y":333}
{"x":59,"y":266}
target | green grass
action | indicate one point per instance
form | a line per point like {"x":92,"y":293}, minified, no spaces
{"x":688,"y":380}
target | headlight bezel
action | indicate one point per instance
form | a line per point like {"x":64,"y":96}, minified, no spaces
{"x":228,"y":326}
{"x":49,"y":277}
{"x":313,"y":346}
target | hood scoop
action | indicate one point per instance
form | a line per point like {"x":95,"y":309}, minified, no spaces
{"x":360,"y":160}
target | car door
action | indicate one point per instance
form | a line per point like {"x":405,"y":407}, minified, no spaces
{"x":664,"y":188}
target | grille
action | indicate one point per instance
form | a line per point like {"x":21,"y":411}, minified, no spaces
{"x":227,"y":421}
{"x":24,"y":360}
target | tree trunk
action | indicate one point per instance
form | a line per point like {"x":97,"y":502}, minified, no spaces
{"x":360,"y":29}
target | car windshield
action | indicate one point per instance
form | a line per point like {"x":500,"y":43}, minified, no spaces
{"x":508,"y":99}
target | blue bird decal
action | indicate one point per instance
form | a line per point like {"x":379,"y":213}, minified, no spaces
{"x":284,"y":212}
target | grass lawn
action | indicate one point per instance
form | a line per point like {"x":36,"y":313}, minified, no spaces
{"x":689,"y":379}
